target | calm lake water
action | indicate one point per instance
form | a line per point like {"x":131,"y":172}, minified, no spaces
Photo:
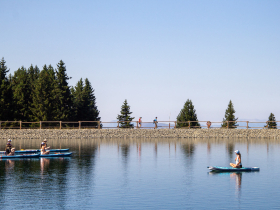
{"x":142,"y":174}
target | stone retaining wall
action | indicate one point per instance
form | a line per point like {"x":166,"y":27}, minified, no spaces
{"x":137,"y":133}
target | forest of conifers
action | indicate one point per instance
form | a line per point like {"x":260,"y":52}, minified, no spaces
{"x":35,"y":94}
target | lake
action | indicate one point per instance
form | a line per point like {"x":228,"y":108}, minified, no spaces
{"x":142,"y":174}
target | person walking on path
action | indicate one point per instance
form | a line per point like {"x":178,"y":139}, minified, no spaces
{"x":208,"y":124}
{"x":155,"y":122}
{"x":140,"y":122}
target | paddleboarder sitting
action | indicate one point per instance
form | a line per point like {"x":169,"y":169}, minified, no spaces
{"x":12,"y":152}
{"x":238,"y":163}
{"x":45,"y":143}
{"x":8,"y":147}
{"x":43,"y":149}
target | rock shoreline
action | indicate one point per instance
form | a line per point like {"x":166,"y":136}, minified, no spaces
{"x":137,"y":133}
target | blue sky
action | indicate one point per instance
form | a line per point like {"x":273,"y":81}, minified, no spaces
{"x":155,"y":54}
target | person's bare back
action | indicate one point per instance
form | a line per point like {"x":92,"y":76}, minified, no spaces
{"x":12,"y":152}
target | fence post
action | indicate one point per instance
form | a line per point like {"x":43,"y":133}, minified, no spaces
{"x":189,"y":124}
{"x":20,"y":125}
{"x":40,"y":124}
{"x":98,"y":124}
{"x":79,"y":124}
{"x":60,"y":124}
{"x":247,"y":124}
{"x":267,"y":124}
{"x":118,"y":124}
{"x":227,"y":124}
{"x":175,"y":124}
{"x":137,"y":124}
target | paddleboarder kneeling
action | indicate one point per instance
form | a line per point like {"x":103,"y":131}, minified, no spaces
{"x":238,"y":163}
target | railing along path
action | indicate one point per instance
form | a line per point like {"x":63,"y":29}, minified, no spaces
{"x":134,"y":124}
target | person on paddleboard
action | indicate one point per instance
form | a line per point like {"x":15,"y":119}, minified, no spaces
{"x":45,"y":144}
{"x":9,"y":147}
{"x":43,"y":149}
{"x":238,"y":163}
{"x":12,"y":152}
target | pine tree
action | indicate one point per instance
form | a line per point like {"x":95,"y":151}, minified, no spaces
{"x":187,"y":114}
{"x":271,"y":122}
{"x":90,"y":102}
{"x":64,"y":98}
{"x":44,"y":97}
{"x":21,"y":94}
{"x":85,"y":103}
{"x":229,"y":116}
{"x":78,"y":101}
{"x":125,"y":116}
{"x":6,"y":112}
{"x":33,"y":75}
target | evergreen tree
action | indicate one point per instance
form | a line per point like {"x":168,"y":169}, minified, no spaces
{"x":33,"y":75}
{"x":272,"y":122}
{"x":187,"y":114}
{"x":90,"y":102}
{"x":78,"y":100}
{"x":21,"y":95}
{"x":6,"y":112}
{"x":85,"y":102}
{"x":45,"y":95}
{"x":125,"y":116}
{"x":229,"y":116}
{"x":64,"y":98}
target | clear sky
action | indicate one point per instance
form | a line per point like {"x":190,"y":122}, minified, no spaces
{"x":155,"y":54}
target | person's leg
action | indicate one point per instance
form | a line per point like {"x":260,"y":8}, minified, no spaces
{"x":232,"y":165}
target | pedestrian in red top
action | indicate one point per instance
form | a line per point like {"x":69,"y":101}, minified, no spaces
{"x":140,"y":122}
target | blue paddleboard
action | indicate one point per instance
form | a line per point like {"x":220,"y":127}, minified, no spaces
{"x":231,"y":169}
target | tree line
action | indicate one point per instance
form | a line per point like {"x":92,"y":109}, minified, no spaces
{"x":44,"y":95}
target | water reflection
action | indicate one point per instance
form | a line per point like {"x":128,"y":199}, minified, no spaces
{"x":164,"y":179}
{"x":138,"y":147}
{"x":188,"y":149}
{"x":9,"y":165}
{"x":44,"y":164}
{"x":230,"y":149}
{"x":235,"y":176}
{"x":208,"y":148}
{"x":125,"y":152}
{"x":238,"y":178}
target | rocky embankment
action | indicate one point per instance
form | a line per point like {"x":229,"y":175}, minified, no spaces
{"x":137,"y":133}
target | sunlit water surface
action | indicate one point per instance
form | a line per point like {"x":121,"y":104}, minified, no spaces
{"x":142,"y":174}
